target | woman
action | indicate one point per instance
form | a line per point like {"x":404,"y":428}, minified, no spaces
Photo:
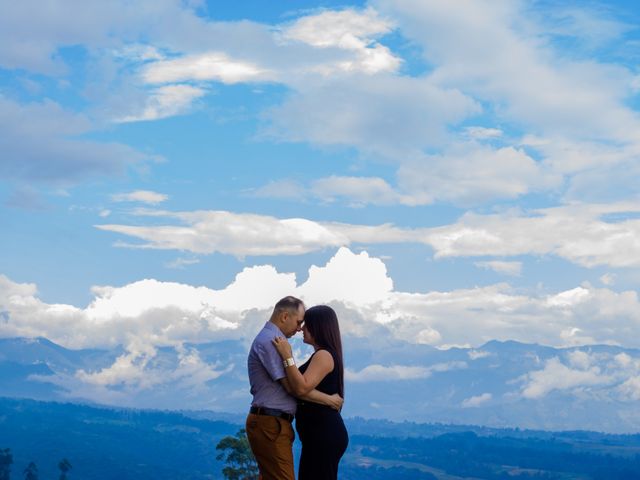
{"x":320,"y":428}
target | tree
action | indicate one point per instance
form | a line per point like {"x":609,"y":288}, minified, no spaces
{"x":6,"y":459}
{"x":64,"y":467}
{"x":31,"y":472}
{"x":236,"y":453}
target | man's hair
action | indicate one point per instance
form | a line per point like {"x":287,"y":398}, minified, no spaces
{"x":292,"y":304}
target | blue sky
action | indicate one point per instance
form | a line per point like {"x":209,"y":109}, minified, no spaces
{"x":453,"y":174}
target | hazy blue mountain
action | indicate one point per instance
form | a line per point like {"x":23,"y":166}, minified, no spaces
{"x":501,"y":384}
{"x":127,"y":444}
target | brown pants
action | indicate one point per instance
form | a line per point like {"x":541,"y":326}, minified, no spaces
{"x":271,"y":439}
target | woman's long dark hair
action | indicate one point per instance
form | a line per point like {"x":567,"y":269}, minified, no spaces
{"x":322,"y":323}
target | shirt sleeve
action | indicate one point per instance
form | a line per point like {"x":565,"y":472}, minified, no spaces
{"x":270,"y":359}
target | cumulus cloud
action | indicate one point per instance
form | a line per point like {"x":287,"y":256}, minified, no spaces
{"x":353,"y":288}
{"x":583,"y":373}
{"x":135,"y":371}
{"x":358,"y":285}
{"x":557,"y":376}
{"x":630,"y":389}
{"x":349,"y":30}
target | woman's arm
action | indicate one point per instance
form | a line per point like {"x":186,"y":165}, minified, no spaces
{"x":334,"y":401}
{"x":321,"y":364}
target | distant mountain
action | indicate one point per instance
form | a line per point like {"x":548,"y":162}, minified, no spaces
{"x":501,"y":384}
{"x":128,"y":444}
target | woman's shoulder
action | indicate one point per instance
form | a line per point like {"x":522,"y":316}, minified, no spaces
{"x":324,"y":355}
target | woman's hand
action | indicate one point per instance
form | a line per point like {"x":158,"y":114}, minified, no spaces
{"x":336,"y":401}
{"x":283,"y":347}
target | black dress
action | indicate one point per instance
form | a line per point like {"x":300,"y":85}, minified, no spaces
{"x":322,"y":432}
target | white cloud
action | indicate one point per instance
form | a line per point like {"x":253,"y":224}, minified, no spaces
{"x":580,"y":359}
{"x":476,"y":401}
{"x":347,"y":30}
{"x":156,"y":313}
{"x":166,"y":101}
{"x":207,"y":66}
{"x":513,"y":269}
{"x":477,"y":354}
{"x":380,"y":373}
{"x":355,"y":280}
{"x":562,"y":99}
{"x":569,"y":298}
{"x":235,"y":234}
{"x":578,"y":233}
{"x":630,"y":389}
{"x":464,"y":175}
{"x":557,"y":376}
{"x":136,"y":371}
{"x":544,"y":89}
{"x":428,"y":336}
{"x":377,"y":373}
{"x":144,"y":196}
{"x":469,"y":173}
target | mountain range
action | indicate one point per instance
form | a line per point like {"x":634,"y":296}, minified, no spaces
{"x":500,"y":384}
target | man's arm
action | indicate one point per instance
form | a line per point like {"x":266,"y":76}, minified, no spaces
{"x":334,"y":401}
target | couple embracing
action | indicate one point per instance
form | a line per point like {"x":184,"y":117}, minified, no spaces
{"x":312,"y":394}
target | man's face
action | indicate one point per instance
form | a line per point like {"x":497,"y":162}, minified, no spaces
{"x":293,"y":321}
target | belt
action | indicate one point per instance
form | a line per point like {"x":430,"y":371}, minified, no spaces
{"x":273,"y":412}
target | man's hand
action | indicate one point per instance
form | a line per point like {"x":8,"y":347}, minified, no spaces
{"x":336,"y":401}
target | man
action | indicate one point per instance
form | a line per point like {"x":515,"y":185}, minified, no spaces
{"x":272,"y":410}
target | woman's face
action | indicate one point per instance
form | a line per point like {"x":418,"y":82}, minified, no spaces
{"x":306,"y":335}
